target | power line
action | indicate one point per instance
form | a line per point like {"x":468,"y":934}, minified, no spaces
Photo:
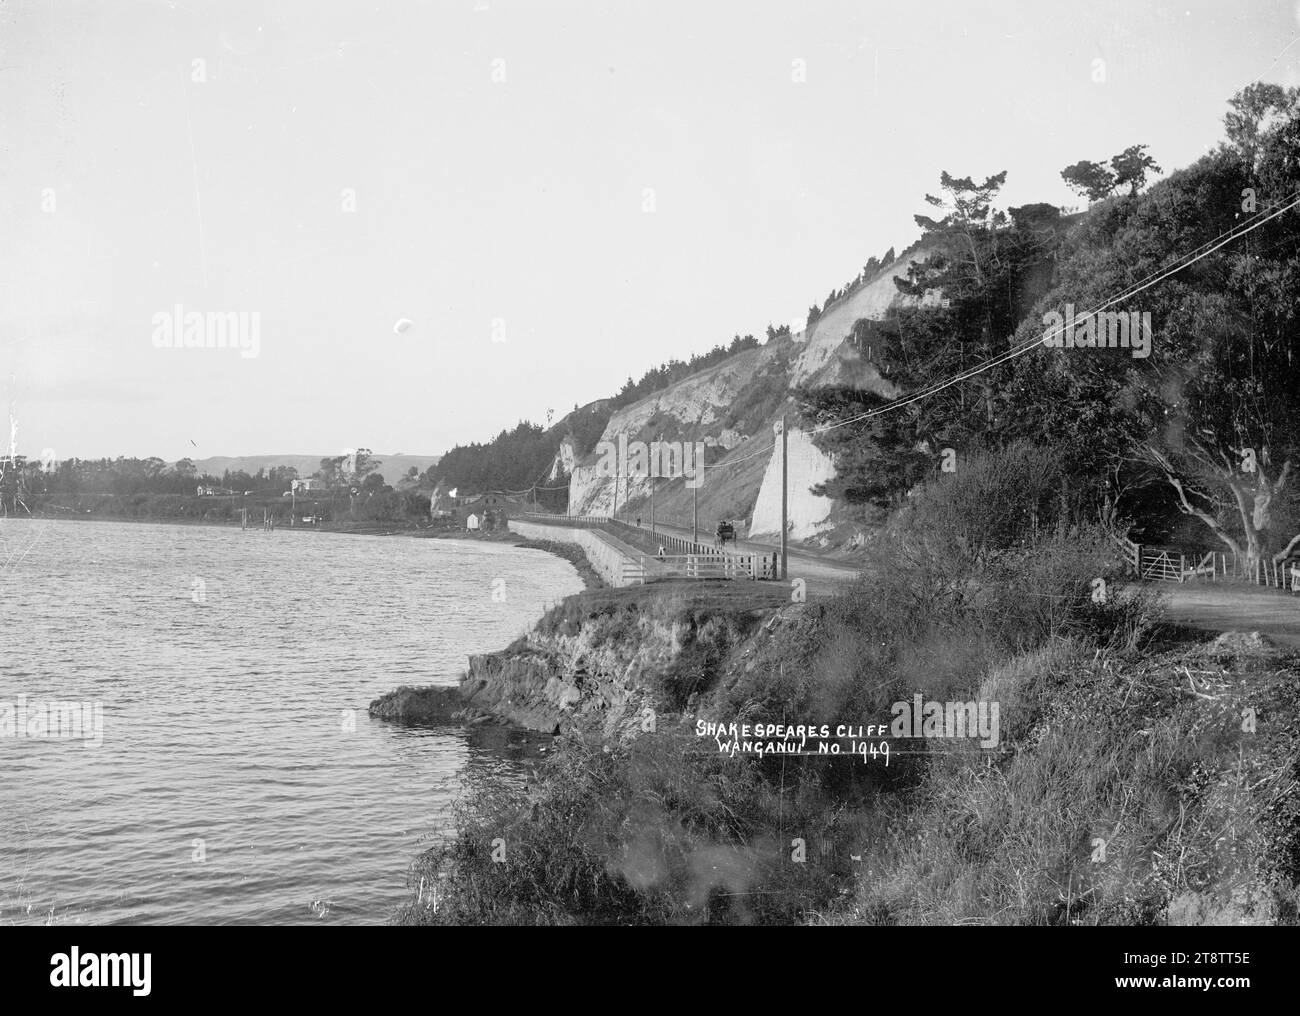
{"x":1181,"y":262}
{"x":1041,"y":341}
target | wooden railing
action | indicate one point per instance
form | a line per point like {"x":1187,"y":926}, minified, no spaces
{"x":699,"y":566}
{"x":691,"y":560}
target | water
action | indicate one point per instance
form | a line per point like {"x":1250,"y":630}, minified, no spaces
{"x":240,"y":779}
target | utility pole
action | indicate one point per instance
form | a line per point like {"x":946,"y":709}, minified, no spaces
{"x":780,"y":429}
{"x":695,"y":515}
{"x":615,"y":515}
{"x":652,"y":504}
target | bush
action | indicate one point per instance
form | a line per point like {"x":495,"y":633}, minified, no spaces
{"x":1122,"y":801}
{"x":665,"y":830}
{"x":994,"y":501}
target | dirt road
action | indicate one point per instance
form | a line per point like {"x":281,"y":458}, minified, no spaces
{"x":1208,"y":606}
{"x":1235,"y":608}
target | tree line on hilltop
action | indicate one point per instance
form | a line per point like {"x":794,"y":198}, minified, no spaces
{"x":1198,"y":441}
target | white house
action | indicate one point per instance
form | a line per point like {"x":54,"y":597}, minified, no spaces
{"x":471,"y":522}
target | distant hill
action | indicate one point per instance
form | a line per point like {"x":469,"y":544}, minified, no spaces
{"x":392,"y":467}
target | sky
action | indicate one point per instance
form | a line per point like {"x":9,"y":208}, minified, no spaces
{"x":444,"y":217}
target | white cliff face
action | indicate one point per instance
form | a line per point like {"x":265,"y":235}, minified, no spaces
{"x":697,"y":407}
{"x":589,"y":493}
{"x":808,"y":514}
{"x":564,"y":460}
{"x":871,"y":301}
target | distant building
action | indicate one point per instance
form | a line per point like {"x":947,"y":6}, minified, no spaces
{"x":491,"y":510}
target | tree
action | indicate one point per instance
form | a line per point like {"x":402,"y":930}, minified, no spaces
{"x":1036,"y":218}
{"x":989,"y":272}
{"x":1089,"y":179}
{"x":1096,"y":182}
{"x":968,"y":217}
{"x":1204,"y":434}
{"x":1252,"y":108}
{"x":363,"y":463}
{"x":331,"y":471}
{"x":1131,"y":167}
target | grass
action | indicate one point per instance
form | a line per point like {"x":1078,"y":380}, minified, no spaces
{"x":1127,"y":788}
{"x":661,"y":831}
{"x":1127,"y":798}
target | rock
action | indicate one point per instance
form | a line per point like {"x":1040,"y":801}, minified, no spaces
{"x":432,"y":705}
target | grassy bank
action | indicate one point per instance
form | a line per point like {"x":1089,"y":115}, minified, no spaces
{"x":1138,"y":775}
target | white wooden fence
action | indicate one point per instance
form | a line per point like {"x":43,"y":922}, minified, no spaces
{"x":691,"y":560}
{"x":700,"y":566}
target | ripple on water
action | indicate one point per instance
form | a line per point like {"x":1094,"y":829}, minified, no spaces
{"x":240,"y":779}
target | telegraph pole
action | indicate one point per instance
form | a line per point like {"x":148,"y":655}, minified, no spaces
{"x":652,"y":503}
{"x":695,"y":515}
{"x":780,"y":427}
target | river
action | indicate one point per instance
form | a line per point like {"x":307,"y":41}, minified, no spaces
{"x":238,"y":778}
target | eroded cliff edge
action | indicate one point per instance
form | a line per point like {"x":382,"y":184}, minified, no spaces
{"x":607,"y":660}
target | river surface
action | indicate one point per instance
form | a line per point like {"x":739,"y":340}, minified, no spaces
{"x":239,"y":779}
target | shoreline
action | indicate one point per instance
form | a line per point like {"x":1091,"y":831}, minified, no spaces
{"x":566,"y":552}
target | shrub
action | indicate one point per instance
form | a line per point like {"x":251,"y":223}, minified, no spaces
{"x":665,"y":830}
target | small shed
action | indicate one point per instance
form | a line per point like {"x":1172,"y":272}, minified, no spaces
{"x":471,"y":522}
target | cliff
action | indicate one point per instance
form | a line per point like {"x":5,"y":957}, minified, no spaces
{"x":601,"y":660}
{"x":731,"y":408}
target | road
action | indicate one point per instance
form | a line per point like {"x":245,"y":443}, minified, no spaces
{"x":820,"y":574}
{"x":1211,"y":607}
{"x":1214,"y":607}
